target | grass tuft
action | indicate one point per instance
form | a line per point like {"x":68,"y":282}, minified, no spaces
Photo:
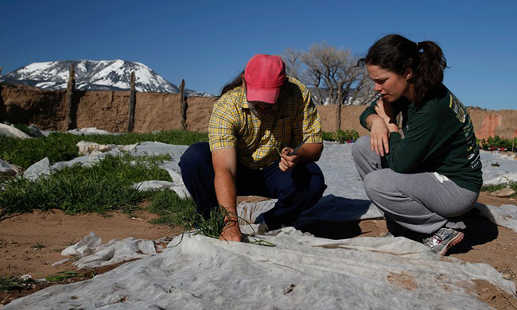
{"x":175,"y":211}
{"x":104,"y":187}
{"x":493,"y":188}
{"x":341,"y":136}
{"x":12,"y":283}
{"x":62,"y":276}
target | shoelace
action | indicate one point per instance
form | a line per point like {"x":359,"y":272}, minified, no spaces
{"x":437,"y":238}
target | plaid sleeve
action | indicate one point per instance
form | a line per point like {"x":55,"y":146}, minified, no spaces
{"x":221,"y":133}
{"x":311,"y":121}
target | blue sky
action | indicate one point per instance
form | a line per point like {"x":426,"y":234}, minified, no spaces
{"x":207,"y":43}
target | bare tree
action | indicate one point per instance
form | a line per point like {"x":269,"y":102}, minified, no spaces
{"x":334,"y":74}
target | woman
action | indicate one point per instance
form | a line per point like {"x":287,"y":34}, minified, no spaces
{"x":425,"y":171}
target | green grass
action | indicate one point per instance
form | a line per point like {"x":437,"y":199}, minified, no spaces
{"x":12,"y":283}
{"x":62,"y":146}
{"x":104,"y":187}
{"x":341,"y":136}
{"x":493,"y":188}
{"x":62,"y":276}
{"x":174,"y":211}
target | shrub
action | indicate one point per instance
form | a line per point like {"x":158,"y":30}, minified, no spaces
{"x":341,"y":136}
{"x":498,"y":143}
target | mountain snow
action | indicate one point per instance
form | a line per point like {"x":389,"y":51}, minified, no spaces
{"x":94,"y":75}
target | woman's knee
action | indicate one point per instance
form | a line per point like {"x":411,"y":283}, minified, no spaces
{"x":378,"y":183}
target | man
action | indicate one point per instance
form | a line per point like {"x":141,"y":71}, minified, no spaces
{"x":264,"y":136}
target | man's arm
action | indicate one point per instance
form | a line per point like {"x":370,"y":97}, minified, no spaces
{"x":225,"y":169}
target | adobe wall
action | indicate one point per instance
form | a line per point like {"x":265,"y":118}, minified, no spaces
{"x":108,"y":110}
{"x":30,"y":105}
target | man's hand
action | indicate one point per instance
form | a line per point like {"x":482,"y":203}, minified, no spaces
{"x":231,"y":231}
{"x":288,"y":159}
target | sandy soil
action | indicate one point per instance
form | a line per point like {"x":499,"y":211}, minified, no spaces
{"x":30,"y":243}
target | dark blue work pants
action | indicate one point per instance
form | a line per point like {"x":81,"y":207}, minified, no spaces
{"x":297,"y":190}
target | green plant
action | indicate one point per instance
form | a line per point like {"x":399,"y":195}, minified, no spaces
{"x":493,"y":188}
{"x":175,"y":211}
{"x":498,"y":142}
{"x":341,"y":136}
{"x":23,"y":128}
{"x":105,"y":186}
{"x":12,"y":283}
{"x":62,"y":276}
{"x":62,"y":146}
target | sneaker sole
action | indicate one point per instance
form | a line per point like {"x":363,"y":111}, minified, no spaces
{"x":456,"y":240}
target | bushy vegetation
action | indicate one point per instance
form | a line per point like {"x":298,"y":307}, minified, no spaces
{"x":498,"y":143}
{"x":62,"y":146}
{"x":346,"y":136}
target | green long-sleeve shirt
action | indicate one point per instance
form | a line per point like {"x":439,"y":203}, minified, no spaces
{"x":438,"y":137}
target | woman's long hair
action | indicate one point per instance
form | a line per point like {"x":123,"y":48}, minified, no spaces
{"x":396,"y":54}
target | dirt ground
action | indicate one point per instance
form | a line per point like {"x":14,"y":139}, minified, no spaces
{"x":30,"y":243}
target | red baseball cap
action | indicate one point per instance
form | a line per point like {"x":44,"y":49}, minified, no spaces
{"x":264,"y":75}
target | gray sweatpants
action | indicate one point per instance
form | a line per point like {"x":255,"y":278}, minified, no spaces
{"x":421,"y":202}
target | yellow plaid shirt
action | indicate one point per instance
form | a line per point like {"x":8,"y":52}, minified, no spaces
{"x":294,"y":120}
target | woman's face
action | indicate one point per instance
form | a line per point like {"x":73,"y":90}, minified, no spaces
{"x":391,"y":85}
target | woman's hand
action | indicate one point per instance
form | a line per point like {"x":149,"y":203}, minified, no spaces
{"x":385,"y":111}
{"x":379,"y":133}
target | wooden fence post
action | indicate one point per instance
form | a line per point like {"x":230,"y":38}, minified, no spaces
{"x":132,"y":102}
{"x":183,"y":105}
{"x":68,"y":97}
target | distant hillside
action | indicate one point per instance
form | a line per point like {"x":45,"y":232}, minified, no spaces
{"x":93,"y":75}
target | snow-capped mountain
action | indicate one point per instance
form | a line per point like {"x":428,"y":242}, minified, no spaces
{"x":93,"y":75}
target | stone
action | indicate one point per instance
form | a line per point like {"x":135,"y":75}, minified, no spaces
{"x":37,"y":170}
{"x":13,"y":132}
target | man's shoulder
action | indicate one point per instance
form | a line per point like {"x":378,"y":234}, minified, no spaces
{"x":296,"y":89}
{"x":231,"y":97}
{"x":297,"y":83}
